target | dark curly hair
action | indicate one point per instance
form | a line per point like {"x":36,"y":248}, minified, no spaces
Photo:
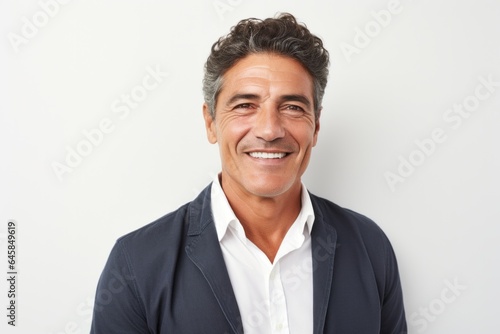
{"x":280,"y":35}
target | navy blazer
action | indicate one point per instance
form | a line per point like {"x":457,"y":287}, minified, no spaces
{"x":170,"y":277}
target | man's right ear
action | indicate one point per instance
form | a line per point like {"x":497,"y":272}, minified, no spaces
{"x":209,"y":124}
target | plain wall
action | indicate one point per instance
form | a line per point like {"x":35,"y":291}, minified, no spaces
{"x":393,"y":144}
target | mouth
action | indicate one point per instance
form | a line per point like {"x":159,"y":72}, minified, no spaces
{"x":268,"y":155}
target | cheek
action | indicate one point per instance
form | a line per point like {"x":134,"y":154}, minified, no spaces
{"x":232,"y":132}
{"x":306,"y":136}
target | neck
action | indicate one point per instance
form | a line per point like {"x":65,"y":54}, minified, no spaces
{"x":266,"y":220}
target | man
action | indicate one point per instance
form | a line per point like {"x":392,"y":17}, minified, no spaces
{"x":255,"y":252}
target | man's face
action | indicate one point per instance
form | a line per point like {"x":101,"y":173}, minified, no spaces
{"x":264,"y":124}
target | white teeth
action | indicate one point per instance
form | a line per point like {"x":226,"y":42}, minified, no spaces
{"x":265,"y":155}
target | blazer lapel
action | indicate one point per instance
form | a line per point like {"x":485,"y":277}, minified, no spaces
{"x":323,"y":245}
{"x":203,"y":249}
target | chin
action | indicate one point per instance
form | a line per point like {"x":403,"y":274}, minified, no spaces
{"x":269,"y":188}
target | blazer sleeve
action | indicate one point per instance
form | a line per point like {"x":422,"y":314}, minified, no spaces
{"x":393,"y":320}
{"x":118,"y":307}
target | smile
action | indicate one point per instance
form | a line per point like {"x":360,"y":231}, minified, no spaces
{"x":267,"y":155}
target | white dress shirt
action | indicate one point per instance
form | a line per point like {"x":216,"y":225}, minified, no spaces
{"x":272,"y":297}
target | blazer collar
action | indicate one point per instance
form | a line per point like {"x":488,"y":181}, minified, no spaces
{"x":323,"y":246}
{"x":203,"y":249}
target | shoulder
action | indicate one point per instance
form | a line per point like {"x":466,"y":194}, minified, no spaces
{"x":158,"y":229}
{"x":338,"y":216}
{"x":167,"y":232}
{"x":156,"y":244}
{"x":350,"y":225}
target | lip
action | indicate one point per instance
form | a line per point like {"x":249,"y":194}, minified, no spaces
{"x":266,"y":151}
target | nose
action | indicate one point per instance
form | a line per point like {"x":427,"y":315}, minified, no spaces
{"x":268,"y":124}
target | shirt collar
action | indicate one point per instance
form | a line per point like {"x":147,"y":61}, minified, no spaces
{"x":224,"y":216}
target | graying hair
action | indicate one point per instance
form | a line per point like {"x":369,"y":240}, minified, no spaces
{"x":281,"y":35}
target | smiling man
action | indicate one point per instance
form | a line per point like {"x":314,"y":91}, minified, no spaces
{"x":255,"y":252}
{"x":266,"y":127}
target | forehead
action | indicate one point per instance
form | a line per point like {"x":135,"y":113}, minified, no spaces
{"x":270,"y":73}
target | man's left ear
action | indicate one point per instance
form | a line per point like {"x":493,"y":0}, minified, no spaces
{"x":317,"y":126}
{"x":209,"y":124}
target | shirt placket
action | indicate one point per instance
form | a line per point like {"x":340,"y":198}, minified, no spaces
{"x":277,"y":302}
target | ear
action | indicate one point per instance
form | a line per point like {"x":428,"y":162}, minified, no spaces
{"x":316,"y":129}
{"x":209,"y":125}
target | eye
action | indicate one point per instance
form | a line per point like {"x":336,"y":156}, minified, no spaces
{"x":243,"y":106}
{"x":293,"y":109}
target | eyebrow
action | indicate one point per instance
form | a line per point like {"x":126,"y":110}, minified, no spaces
{"x":237,"y":97}
{"x":297,"y":98}
{"x":284,"y":98}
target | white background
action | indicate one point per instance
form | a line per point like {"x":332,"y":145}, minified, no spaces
{"x":443,"y":220}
